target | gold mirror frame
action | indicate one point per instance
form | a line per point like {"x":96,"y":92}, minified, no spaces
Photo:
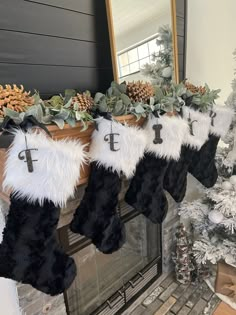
{"x":113,"y":44}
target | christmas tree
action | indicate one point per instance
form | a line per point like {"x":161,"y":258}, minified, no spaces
{"x":161,"y":69}
{"x":214,"y":224}
{"x":213,"y":217}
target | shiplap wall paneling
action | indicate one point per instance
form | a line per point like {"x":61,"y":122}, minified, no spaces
{"x":50,"y":45}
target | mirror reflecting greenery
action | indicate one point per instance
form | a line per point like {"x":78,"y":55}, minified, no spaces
{"x":143,"y":40}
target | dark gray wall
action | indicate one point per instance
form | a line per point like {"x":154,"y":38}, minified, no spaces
{"x":50,"y":45}
{"x":181,"y":20}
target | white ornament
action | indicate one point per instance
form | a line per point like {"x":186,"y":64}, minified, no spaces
{"x":226,"y":186}
{"x":215,"y":216}
{"x":167,"y":72}
{"x":233,"y":180}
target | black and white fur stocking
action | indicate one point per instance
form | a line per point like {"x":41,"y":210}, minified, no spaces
{"x":175,"y":181}
{"x":97,"y":217}
{"x":164,"y":139}
{"x":30,"y":252}
{"x":202,"y":166}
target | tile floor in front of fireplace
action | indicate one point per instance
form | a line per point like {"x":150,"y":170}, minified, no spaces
{"x":172,"y":298}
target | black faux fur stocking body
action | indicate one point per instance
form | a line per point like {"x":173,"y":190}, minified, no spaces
{"x":30,"y":253}
{"x":145,"y":192}
{"x":175,"y":181}
{"x":97,"y":217}
{"x":202,"y":166}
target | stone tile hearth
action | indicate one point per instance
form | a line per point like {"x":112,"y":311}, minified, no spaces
{"x":172,"y":298}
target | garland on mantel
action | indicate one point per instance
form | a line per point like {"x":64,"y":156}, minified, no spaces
{"x":135,"y":98}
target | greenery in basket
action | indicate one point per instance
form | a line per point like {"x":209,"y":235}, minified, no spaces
{"x":71,"y":108}
{"x":202,"y":97}
{"x":135,"y":98}
{"x":126,"y":98}
{"x":169,"y":99}
{"x":114,"y":101}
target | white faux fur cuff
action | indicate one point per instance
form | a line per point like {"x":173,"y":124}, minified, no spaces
{"x":199,"y":130}
{"x":129,"y":143}
{"x":221,"y":119}
{"x":172,"y":134}
{"x":56,"y":169}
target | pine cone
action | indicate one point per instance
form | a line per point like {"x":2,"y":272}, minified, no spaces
{"x":139,"y":91}
{"x":195,"y":89}
{"x":85,"y":101}
{"x":14,"y":98}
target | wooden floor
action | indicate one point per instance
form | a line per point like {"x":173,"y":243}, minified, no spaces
{"x":224,"y":309}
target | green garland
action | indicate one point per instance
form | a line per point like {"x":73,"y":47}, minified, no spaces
{"x":59,"y":109}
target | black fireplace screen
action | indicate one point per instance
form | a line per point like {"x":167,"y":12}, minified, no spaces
{"x":107,"y":284}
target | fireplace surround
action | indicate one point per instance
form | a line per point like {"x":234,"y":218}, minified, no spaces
{"x":120,"y":277}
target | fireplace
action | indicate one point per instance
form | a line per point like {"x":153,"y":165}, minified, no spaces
{"x":108,"y":284}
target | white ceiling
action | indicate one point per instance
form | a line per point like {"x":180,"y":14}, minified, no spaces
{"x":132,"y":14}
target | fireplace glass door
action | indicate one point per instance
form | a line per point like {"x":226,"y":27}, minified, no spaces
{"x":106,"y":284}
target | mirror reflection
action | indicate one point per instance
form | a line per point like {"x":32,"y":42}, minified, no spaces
{"x":143,"y":40}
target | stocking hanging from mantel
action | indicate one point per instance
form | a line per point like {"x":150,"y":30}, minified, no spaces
{"x":202,"y":165}
{"x":164,"y":139}
{"x":42,"y":174}
{"x":115,"y":149}
{"x":175,"y":181}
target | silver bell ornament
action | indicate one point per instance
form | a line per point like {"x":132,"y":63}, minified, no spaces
{"x":167,"y":72}
{"x":227,"y":186}
{"x":215,"y":216}
{"x":233,"y":180}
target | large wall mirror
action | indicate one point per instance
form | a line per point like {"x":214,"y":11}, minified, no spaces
{"x":134,"y":27}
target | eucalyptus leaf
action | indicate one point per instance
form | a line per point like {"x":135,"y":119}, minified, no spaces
{"x":59,"y":122}
{"x":56,"y":101}
{"x":152,"y":101}
{"x":76,"y":106}
{"x":125,"y":99}
{"x":36,"y":111}
{"x":109,"y":91}
{"x":119,"y":108}
{"x":10,"y":113}
{"x":78,"y":116}
{"x":64,"y":114}
{"x":116,"y":92}
{"x":22,"y":116}
{"x":68,"y":104}
{"x":139,"y":109}
{"x":85,"y":125}
{"x":54,"y":110}
{"x":36,"y":98}
{"x":158,"y":93}
{"x":152,"y":107}
{"x":102,"y":106}
{"x":122,"y":87}
{"x":98,"y":97}
{"x":71,"y":121}
{"x":47,"y":119}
